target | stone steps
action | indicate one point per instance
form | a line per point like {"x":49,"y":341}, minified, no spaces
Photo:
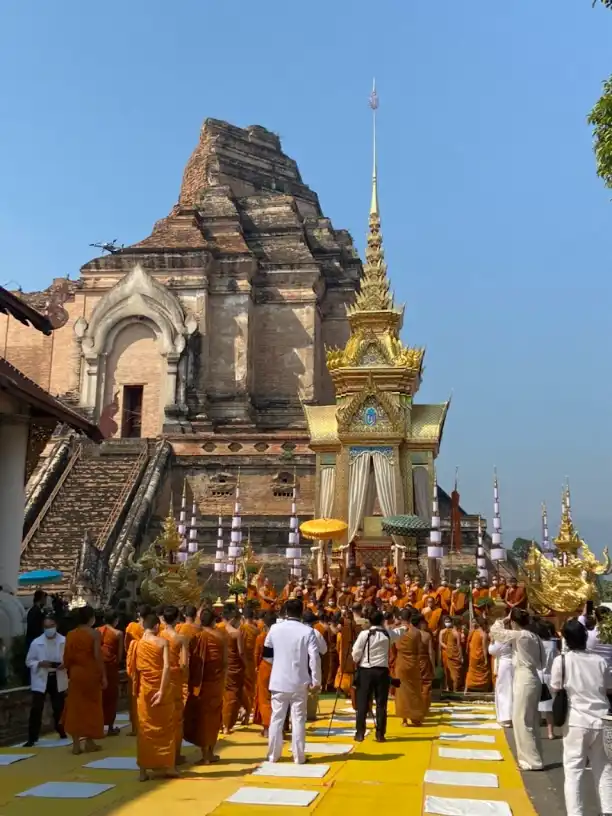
{"x":83,"y":505}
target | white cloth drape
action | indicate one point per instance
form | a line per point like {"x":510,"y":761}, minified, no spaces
{"x":384,"y":475}
{"x":370,"y":499}
{"x":422,"y":493}
{"x":359,"y":472}
{"x":326,"y":497}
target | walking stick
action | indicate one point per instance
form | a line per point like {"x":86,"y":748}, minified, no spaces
{"x":331,"y":719}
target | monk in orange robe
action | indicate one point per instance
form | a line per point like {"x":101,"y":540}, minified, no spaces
{"x":235,"y":668}
{"x":459,"y":601}
{"x":178,"y":658}
{"x":148,"y":666}
{"x":207,"y":672}
{"x":451,"y":655}
{"x":432,"y":615}
{"x":479,"y":593}
{"x":516,"y":597}
{"x":111,"y":644}
{"x":427,"y":662}
{"x":263,"y":698}
{"x":134,"y":631}
{"x":83,"y":717}
{"x":408,"y":697}
{"x":332,"y":651}
{"x":267,"y":596}
{"x":478,"y":677}
{"x":498,"y":589}
{"x":249,"y":633}
{"x":418,"y":590}
{"x":345,"y":638}
{"x":387,"y":572}
{"x":444,"y":596}
{"x":189,"y":627}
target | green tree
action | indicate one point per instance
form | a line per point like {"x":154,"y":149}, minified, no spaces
{"x":521,"y":546}
{"x":604,"y":586}
{"x":601,"y":120}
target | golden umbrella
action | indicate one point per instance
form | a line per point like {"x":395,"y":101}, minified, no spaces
{"x":315,"y":529}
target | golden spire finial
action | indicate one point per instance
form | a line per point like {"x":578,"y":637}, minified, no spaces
{"x":374,"y":106}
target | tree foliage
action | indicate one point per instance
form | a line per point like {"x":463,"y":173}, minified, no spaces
{"x":601,"y":120}
{"x":521,"y":546}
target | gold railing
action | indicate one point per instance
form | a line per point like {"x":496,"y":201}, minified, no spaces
{"x":45,"y":509}
{"x":118,"y":506}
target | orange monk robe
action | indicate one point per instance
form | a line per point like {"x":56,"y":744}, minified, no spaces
{"x":207,"y":672}
{"x":323,"y":630}
{"x":478,"y":676}
{"x":263,"y":699}
{"x":110,"y":645}
{"x":267,"y":598}
{"x":187,"y":630}
{"x":385,"y":595}
{"x":156,"y":743}
{"x":249,"y":633}
{"x":452,"y":658}
{"x":133,"y":633}
{"x":387,"y":574}
{"x":346,"y":665}
{"x":427,"y":671}
{"x":444,"y":597}
{"x":428,"y":594}
{"x":498,"y":592}
{"x":409,"y":703}
{"x":517,"y":597}
{"x":234,"y":679}
{"x":252,"y":593}
{"x":479,"y":594}
{"x":83,"y":714}
{"x":459,"y":603}
{"x":432,"y":616}
{"x":418,"y":590}
{"x":177,"y":681}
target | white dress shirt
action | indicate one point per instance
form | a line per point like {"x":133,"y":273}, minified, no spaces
{"x":371,"y":649}
{"x":52,"y":649}
{"x":587,"y":681}
{"x":296,"y":663}
{"x":594,"y":644}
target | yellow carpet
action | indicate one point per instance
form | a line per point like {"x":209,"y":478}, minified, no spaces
{"x":375,"y":778}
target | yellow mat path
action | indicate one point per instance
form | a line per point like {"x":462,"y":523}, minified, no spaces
{"x":374,"y":778}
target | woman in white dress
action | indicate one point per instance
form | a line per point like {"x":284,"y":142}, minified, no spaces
{"x":527,"y":655}
{"x":504,"y":677}
{"x":550,"y":645}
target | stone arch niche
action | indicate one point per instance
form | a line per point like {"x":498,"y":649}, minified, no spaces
{"x":137,"y":316}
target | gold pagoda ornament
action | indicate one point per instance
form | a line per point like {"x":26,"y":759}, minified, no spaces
{"x":163,"y":579}
{"x":564,"y":580}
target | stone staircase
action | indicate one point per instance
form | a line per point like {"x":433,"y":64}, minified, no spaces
{"x":90,"y":496}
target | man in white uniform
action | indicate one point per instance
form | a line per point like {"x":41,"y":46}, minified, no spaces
{"x":296,"y":666}
{"x":45,"y":660}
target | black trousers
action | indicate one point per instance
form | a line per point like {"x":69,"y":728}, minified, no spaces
{"x":372,"y":683}
{"x":38,"y":705}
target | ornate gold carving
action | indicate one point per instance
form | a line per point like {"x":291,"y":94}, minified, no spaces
{"x":347,"y":412}
{"x":374,"y":295}
{"x":387,"y":344}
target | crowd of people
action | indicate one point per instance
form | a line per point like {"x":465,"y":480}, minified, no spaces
{"x":196,"y":673}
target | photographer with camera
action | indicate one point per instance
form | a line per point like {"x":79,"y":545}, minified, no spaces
{"x":45,"y":660}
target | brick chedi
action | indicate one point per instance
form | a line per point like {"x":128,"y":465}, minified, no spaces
{"x":210,"y":333}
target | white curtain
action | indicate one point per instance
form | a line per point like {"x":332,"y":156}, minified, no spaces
{"x":359,"y":472}
{"x":384,"y":474}
{"x":370,"y":499}
{"x":422,"y":493}
{"x":326,"y":496}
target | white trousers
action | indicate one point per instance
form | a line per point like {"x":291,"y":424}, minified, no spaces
{"x":580,"y":744}
{"x":282,"y":701}
{"x":526,"y":689}
{"x":503,"y":689}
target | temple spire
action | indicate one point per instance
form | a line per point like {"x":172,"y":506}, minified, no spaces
{"x":498,"y":552}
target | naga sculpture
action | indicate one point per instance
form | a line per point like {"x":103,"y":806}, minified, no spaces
{"x":567,"y":580}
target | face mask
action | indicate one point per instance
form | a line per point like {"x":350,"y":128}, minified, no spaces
{"x":447,"y":624}
{"x":50,"y":632}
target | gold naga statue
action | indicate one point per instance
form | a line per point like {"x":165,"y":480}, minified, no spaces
{"x":564,"y":582}
{"x":165,"y":580}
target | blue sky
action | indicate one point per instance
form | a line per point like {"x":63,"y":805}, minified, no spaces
{"x":496,"y":228}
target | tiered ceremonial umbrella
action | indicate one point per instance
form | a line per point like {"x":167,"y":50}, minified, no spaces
{"x":406,"y":525}
{"x":498,"y":552}
{"x":481,"y":559}
{"x":435,"y":550}
{"x":293,"y":552}
{"x":235,"y":549}
{"x":220,"y":553}
{"x":181,"y":555}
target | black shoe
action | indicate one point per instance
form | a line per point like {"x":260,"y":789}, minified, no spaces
{"x":62,"y":735}
{"x":380,"y":738}
{"x":359,"y":737}
{"x":29,"y":744}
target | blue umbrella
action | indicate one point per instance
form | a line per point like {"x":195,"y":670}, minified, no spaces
{"x":39,"y":577}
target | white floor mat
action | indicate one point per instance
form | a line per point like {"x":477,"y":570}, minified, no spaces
{"x":66,"y":790}
{"x":453,"y":709}
{"x":272,"y":796}
{"x":121,"y":763}
{"x":186,"y":744}
{"x":123,"y":716}
{"x":462,"y":779}
{"x":485,"y":726}
{"x":457,"y":716}
{"x":469,"y":753}
{"x":335,"y":732}
{"x":488,"y":738}
{"x":9,"y":759}
{"x":290,"y":770}
{"x":441,"y":806}
{"x":328,"y":748}
{"x":48,"y":743}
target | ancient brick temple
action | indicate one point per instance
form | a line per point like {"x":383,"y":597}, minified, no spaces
{"x":195,"y":349}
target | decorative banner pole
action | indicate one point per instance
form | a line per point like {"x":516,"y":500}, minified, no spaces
{"x":192,"y":545}
{"x":220,"y":553}
{"x":547,"y":549}
{"x":481,"y":559}
{"x":182,"y":526}
{"x":498,"y":552}
{"x":435,"y":550}
{"x":293,"y":552}
{"x":235,"y":549}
